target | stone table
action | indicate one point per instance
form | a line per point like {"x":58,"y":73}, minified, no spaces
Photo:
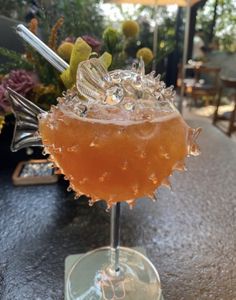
{"x":189,"y":234}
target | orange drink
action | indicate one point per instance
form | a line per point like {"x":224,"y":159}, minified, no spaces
{"x":116,"y":136}
{"x":115,"y":160}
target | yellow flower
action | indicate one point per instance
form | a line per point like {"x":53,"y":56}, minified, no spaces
{"x":130,"y":28}
{"x":1,"y":122}
{"x":146,"y":55}
{"x":106,"y":59}
{"x":66,"y":78}
{"x":41,"y":90}
{"x":64,"y":50}
{"x":81,"y":51}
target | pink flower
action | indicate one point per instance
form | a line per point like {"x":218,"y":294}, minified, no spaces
{"x":5,"y":106}
{"x":93,"y":43}
{"x":20,"y":81}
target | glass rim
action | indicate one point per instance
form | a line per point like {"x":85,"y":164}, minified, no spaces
{"x":167,"y":115}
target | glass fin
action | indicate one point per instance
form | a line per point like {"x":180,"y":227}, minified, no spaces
{"x":26,"y":126}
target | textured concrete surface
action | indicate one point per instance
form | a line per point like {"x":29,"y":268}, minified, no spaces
{"x":189,"y":234}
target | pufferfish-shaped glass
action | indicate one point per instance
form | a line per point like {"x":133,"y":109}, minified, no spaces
{"x":116,"y":136}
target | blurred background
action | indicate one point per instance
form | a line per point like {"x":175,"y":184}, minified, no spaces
{"x":120,"y":34}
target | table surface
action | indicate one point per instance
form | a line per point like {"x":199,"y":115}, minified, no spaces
{"x":189,"y":234}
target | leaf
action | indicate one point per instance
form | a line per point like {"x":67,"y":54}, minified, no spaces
{"x":16,"y":61}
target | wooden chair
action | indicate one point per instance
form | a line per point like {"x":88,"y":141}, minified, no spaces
{"x":206,"y":85}
{"x":188,"y":81}
{"x":226,"y":83}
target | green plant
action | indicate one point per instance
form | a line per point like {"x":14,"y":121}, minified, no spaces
{"x":15,"y":60}
{"x":80,"y":17}
{"x":13,"y":9}
{"x":221,"y":26}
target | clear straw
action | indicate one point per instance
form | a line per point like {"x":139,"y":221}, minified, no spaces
{"x":41,"y":48}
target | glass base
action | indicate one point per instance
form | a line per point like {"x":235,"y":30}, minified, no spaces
{"x":91,"y":277}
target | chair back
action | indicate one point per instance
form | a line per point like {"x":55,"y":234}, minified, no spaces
{"x":228,"y":82}
{"x":212,"y":73}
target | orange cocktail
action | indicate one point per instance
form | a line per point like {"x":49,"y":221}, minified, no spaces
{"x":116,"y":136}
{"x":115,"y":160}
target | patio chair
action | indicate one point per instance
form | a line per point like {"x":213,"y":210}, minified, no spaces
{"x":206,"y":84}
{"x":228,"y":116}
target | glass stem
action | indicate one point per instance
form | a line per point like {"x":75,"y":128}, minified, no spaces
{"x":115,"y":236}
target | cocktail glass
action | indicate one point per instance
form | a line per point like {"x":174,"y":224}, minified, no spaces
{"x":117,"y":137}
